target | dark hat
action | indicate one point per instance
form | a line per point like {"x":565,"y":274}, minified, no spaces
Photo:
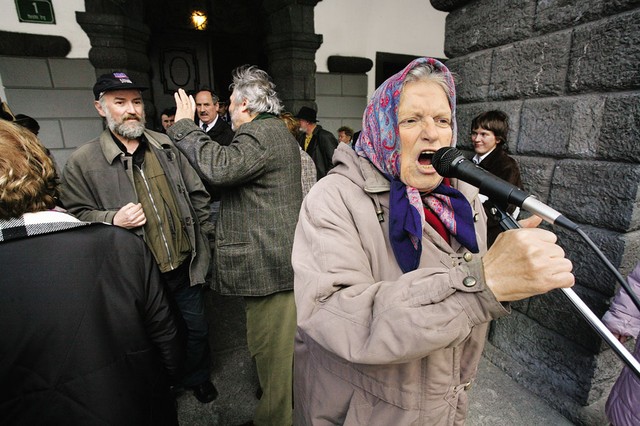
{"x":308,"y":114}
{"x":114,"y":81}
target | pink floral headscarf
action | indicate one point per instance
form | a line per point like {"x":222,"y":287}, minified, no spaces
{"x":379,"y":142}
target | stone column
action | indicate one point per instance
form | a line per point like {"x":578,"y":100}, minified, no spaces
{"x":291,"y":47}
{"x":119,"y":39}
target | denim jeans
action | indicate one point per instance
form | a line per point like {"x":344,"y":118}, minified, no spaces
{"x":189,"y":301}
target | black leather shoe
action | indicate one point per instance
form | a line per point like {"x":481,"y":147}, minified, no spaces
{"x":205,"y":392}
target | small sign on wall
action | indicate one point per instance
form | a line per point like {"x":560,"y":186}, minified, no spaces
{"x":35,"y":11}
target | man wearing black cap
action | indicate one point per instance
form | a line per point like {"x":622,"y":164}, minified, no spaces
{"x":137,"y":179}
{"x":316,"y":141}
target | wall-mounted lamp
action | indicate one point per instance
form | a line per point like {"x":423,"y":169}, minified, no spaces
{"x":199,"y":19}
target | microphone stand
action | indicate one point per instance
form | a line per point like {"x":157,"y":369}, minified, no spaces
{"x":508,"y":222}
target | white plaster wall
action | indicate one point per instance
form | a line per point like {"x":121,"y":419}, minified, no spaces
{"x":65,"y":26}
{"x":349,"y":28}
{"x":364,"y":27}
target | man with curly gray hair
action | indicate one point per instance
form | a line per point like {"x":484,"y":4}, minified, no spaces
{"x":260,"y":171}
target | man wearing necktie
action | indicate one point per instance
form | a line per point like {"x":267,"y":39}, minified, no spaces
{"x":208,"y":119}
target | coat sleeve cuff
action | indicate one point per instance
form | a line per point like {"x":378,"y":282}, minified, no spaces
{"x":478,"y":300}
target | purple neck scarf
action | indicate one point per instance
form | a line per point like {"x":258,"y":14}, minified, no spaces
{"x":379,"y":142}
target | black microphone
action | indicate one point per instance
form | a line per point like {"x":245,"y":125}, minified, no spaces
{"x":449,"y":162}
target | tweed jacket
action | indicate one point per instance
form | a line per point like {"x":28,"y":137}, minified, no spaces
{"x":98,"y":180}
{"x":321,"y":148}
{"x":376,"y":346}
{"x":261,"y":177}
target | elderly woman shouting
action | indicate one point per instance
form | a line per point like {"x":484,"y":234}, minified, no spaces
{"x":394,"y":285}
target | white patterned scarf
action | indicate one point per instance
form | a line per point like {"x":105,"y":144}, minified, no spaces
{"x":44,"y":222}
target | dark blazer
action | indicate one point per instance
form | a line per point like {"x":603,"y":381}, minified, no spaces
{"x":500,"y":164}
{"x":221,"y":132}
{"x":86,"y":331}
{"x":321,"y":148}
{"x":260,"y":172}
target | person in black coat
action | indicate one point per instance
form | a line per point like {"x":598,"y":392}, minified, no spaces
{"x":489,"y":131}
{"x":207,"y":104}
{"x":316,"y":141}
{"x":208,"y":119}
{"x":87,"y":336}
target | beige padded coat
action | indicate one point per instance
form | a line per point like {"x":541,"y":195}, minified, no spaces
{"x":376,"y":346}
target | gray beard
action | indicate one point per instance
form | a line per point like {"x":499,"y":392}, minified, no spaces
{"x":129,"y":129}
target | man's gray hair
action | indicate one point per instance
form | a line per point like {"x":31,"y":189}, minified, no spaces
{"x":255,"y":86}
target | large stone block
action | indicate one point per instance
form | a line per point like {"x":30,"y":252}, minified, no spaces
{"x":630,"y":254}
{"x":472,"y":75}
{"x":536,"y":381}
{"x":620,"y":129}
{"x":487,"y":23}
{"x":536,"y":174}
{"x":549,"y":364}
{"x":341,"y":107}
{"x":590,"y":126}
{"x":534,"y":67}
{"x":545,"y":127}
{"x":50,"y":133}
{"x":72,"y":73}
{"x":328,"y":84}
{"x":77,"y":131}
{"x":46,"y":103}
{"x":605,"y":55}
{"x":552,"y":15}
{"x":586,"y":119}
{"x":354,"y":85}
{"x":591,"y":271}
{"x":556,"y":312}
{"x":598,"y":193}
{"x":24,"y":72}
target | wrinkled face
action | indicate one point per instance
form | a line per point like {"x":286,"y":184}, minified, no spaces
{"x":167,"y":120}
{"x":483,"y":140}
{"x":424,"y":125}
{"x":343,"y":137}
{"x":238,"y":112}
{"x":205,"y":107}
{"x":124,"y":112}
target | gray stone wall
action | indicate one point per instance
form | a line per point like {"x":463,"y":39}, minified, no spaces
{"x":568,"y":75}
{"x":57,"y":93}
{"x":341,"y":100}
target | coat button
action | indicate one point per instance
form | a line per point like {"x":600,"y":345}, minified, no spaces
{"x":469,"y":281}
{"x":475,"y":217}
{"x":468,"y":257}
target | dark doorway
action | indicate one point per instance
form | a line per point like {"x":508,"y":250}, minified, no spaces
{"x":387,"y":64}
{"x":182,"y":56}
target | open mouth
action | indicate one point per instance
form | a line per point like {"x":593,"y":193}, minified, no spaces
{"x":424,"y":159}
